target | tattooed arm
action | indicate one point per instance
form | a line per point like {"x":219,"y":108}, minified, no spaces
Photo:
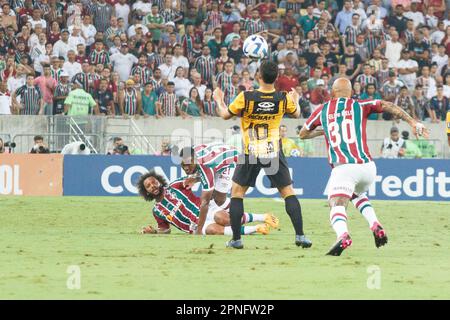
{"x":417,"y":127}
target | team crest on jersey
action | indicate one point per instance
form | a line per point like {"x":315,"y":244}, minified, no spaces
{"x":265,"y":107}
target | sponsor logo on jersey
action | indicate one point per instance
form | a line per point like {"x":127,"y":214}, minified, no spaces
{"x":266,"y":107}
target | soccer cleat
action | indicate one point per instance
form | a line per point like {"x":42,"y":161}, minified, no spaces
{"x":236,"y":244}
{"x":379,"y":234}
{"x":302,"y":241}
{"x":271,"y":220}
{"x":263,"y":229}
{"x":341,"y":244}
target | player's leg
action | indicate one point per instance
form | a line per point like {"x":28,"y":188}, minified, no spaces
{"x":222,"y":218}
{"x":237,"y":209}
{"x":222,"y":187}
{"x":278,"y":174}
{"x":362,"y":203}
{"x":244,"y":177}
{"x":340,"y":190}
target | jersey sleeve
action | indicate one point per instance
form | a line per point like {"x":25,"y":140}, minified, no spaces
{"x":314,"y":119}
{"x":371,"y":106}
{"x":237,"y":105}
{"x":291,"y":107}
{"x":206,"y":178}
{"x":162,"y":223}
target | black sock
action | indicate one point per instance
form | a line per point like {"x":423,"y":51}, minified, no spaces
{"x":236,"y":213}
{"x":294,"y":211}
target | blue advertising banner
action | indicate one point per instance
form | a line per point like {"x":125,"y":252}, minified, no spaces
{"x":99,"y":175}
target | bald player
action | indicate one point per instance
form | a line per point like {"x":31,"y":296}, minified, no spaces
{"x":344,"y":123}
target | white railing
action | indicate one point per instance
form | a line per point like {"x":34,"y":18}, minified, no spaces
{"x":77,"y":134}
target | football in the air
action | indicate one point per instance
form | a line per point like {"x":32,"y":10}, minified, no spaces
{"x":255,"y":47}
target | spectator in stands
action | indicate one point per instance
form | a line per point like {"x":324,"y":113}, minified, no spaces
{"x":31,"y":99}
{"x":305,"y":146}
{"x":168,"y":104}
{"x":149,"y":99}
{"x":290,"y":149}
{"x":404,"y":101}
{"x":192,"y":106}
{"x":439,"y":105}
{"x":47,"y":85}
{"x":370,"y":93}
{"x":209,"y":105}
{"x":62,"y":90}
{"x":39,"y":145}
{"x":104,"y":98}
{"x":421,"y":104}
{"x":319,"y":95}
{"x":79,"y":102}
{"x":393,"y":147}
{"x":5,"y":99}
{"x":130,"y":100}
{"x":407,"y":69}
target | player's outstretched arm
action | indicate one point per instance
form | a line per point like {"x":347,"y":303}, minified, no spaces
{"x":293,"y":98}
{"x":310,"y":134}
{"x":418,"y":128}
{"x":222,"y":109}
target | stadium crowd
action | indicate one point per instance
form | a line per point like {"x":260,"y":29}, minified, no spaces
{"x":164,"y":57}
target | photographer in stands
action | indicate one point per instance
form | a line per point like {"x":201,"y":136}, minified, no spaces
{"x":393,"y":147}
{"x":39,"y":145}
{"x":119,"y":147}
{"x":77,"y":147}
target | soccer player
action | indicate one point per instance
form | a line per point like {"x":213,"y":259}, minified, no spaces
{"x":176,"y":204}
{"x":212,"y":165}
{"x":261,"y":112}
{"x":344,"y":123}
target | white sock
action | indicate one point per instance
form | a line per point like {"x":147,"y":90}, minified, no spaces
{"x":244,"y":230}
{"x":338,"y":220}
{"x":249,"y":229}
{"x":362,"y":203}
{"x":227,"y":231}
{"x":252,"y":217}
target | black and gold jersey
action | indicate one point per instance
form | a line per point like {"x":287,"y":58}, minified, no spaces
{"x":261,"y":113}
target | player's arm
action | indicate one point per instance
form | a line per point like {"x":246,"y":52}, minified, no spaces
{"x":205,"y":198}
{"x":310,"y":134}
{"x":309,"y":129}
{"x":233,"y":109}
{"x":292,"y":107}
{"x":418,"y":128}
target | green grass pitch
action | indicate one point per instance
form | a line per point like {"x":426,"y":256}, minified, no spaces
{"x":42,"y":237}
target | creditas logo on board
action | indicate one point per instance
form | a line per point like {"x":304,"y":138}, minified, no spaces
{"x":425,"y":183}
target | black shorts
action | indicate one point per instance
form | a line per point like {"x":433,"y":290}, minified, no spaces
{"x":248,"y":168}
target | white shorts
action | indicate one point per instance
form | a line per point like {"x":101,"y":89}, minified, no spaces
{"x":348,"y":179}
{"x":222,"y":181}
{"x":212,"y":209}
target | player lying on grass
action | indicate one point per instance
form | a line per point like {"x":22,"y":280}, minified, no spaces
{"x":344,"y":122}
{"x":177,"y":205}
{"x":212,"y":165}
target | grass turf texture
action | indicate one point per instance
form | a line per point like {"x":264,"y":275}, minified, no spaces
{"x":41,"y":237}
